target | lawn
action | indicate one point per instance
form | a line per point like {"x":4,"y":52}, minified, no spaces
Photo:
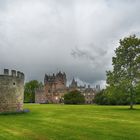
{"x":72,"y":122}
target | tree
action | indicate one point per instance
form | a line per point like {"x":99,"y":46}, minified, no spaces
{"x":137,"y":90}
{"x":126,"y":68}
{"x":29,"y":90}
{"x":101,"y":98}
{"x":74,"y":97}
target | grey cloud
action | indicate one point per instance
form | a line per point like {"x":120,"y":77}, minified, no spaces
{"x":39,"y":36}
{"x":81,"y":53}
{"x":90,"y":52}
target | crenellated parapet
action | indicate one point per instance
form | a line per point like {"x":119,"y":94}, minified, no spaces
{"x":13,"y":73}
{"x":55,"y":78}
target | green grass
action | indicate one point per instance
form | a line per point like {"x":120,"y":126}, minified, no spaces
{"x":72,"y":122}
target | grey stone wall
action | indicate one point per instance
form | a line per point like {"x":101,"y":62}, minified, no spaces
{"x":40,"y":96}
{"x":11,"y":91}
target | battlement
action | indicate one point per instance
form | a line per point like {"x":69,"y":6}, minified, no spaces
{"x":55,"y":77}
{"x":13,"y":73}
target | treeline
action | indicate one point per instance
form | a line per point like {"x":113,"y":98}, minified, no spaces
{"x":116,"y":97}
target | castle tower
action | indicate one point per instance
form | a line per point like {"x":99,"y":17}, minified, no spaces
{"x":60,"y":80}
{"x":55,"y":86}
{"x":11,"y":91}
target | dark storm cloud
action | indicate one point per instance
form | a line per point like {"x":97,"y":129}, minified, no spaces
{"x":75,"y":36}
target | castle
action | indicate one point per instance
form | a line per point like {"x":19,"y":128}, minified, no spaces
{"x":55,"y":88}
{"x":11,"y":91}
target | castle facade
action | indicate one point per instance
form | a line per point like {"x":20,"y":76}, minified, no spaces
{"x":55,"y":87}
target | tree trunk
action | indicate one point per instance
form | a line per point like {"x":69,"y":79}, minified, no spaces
{"x":131,"y":104}
{"x":131,"y":98}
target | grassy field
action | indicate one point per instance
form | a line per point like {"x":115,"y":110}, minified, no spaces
{"x":69,"y":122}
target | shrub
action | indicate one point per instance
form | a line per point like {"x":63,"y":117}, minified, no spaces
{"x":74,"y":97}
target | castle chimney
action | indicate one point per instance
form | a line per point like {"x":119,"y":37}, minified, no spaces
{"x":6,"y":71}
{"x":13,"y":72}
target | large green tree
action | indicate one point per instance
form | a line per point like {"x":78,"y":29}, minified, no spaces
{"x":126,"y":68}
{"x":29,"y":90}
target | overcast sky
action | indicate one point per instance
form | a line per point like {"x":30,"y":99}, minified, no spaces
{"x":75,"y":36}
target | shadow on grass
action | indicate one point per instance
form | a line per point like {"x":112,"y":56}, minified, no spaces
{"x":120,"y":107}
{"x":25,"y":111}
{"x":127,"y":109}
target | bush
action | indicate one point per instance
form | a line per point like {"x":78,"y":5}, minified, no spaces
{"x":74,"y":97}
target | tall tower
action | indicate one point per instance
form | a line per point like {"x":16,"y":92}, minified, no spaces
{"x":55,"y":85}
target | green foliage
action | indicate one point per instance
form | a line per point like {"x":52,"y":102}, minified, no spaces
{"x":111,"y":96}
{"x":74,"y":97}
{"x":137,"y":93}
{"x":124,"y":78}
{"x":29,"y":91}
{"x":100,"y":98}
{"x":126,"y":68}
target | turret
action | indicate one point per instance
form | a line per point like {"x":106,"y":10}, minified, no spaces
{"x":11,"y":91}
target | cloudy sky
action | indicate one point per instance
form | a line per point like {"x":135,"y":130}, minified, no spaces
{"x":74,"y":36}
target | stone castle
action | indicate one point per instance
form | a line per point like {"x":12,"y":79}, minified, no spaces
{"x":11,"y":91}
{"x":55,"y":87}
{"x":53,"y":90}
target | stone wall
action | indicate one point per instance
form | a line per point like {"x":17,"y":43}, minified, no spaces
{"x":11,"y":91}
{"x":40,"y":96}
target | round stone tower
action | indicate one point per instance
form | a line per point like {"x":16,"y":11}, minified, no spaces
{"x":11,"y":91}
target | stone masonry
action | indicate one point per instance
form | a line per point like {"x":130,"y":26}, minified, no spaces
{"x":11,"y":91}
